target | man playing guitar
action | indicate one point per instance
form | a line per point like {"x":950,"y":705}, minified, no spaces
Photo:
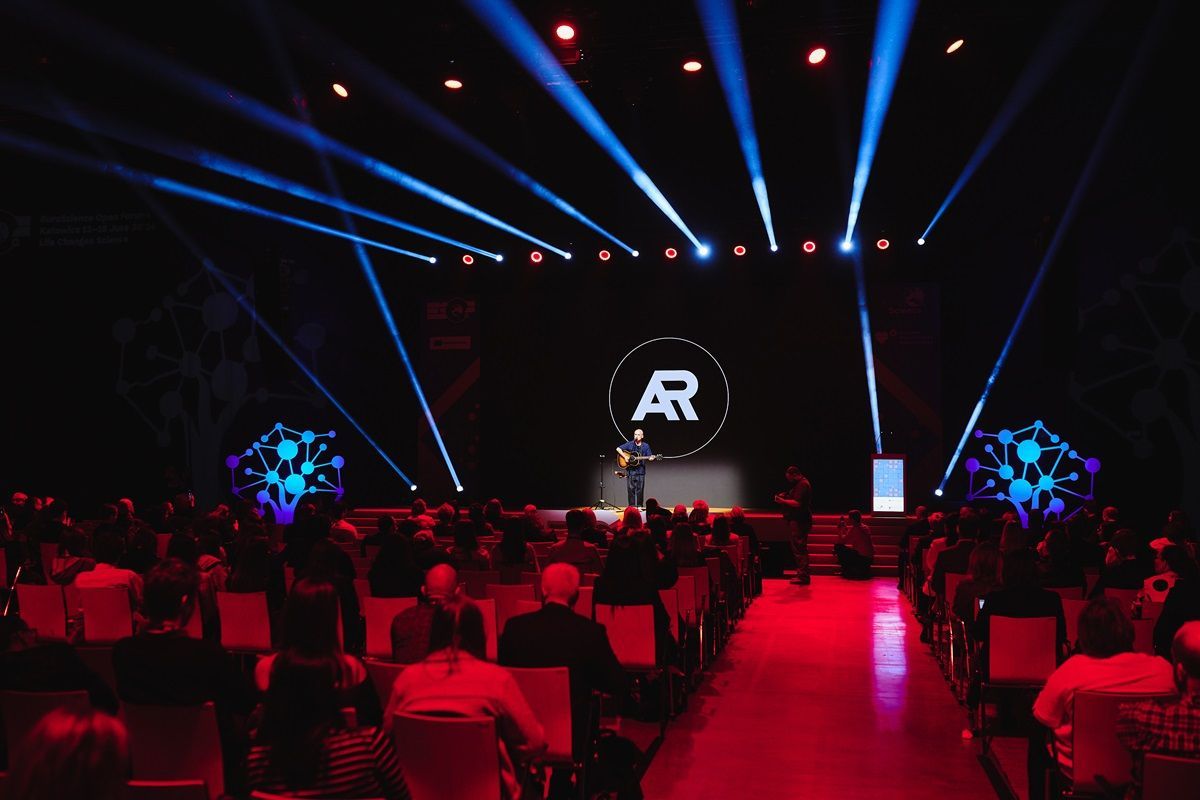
{"x":632,"y":456}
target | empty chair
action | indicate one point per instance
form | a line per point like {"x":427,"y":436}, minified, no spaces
{"x":166,"y":790}
{"x":1169,"y":777}
{"x":155,"y":737}
{"x":506,"y":597}
{"x":44,"y":610}
{"x":524,"y":607}
{"x":23,"y":710}
{"x":1022,"y":652}
{"x":107,"y":617}
{"x":245,"y":622}
{"x":477,"y":581}
{"x":631,"y":633}
{"x":1099,"y":757}
{"x":379,"y":613}
{"x":448,"y":758}
{"x":534,"y":579}
{"x":548,"y":690}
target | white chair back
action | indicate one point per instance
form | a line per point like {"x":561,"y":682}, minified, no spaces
{"x":1022,"y":650}
{"x":245,"y":622}
{"x":630,"y":632}
{"x":155,"y":736}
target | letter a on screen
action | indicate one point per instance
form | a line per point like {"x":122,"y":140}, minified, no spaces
{"x":658,"y":399}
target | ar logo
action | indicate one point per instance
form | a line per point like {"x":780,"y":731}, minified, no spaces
{"x":658,"y":399}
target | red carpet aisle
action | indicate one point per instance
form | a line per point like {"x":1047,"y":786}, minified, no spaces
{"x":823,"y":692}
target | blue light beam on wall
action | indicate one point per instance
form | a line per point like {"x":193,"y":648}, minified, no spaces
{"x":864,"y":324}
{"x":1136,"y":68}
{"x":891,"y":38}
{"x":106,"y":42}
{"x":406,"y":102}
{"x":724,"y":39}
{"x":511,"y":29}
{"x":1071,"y":22}
{"x":41,"y":149}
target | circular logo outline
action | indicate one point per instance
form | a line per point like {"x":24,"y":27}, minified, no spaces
{"x":721,"y":369}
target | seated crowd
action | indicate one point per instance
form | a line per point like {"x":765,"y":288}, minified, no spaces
{"x":1121,"y":611}
{"x":309,"y":717}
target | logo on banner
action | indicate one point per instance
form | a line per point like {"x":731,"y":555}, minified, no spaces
{"x":673,"y":388}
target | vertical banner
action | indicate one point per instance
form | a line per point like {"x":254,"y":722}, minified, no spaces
{"x":907,"y":332}
{"x":449,"y":370}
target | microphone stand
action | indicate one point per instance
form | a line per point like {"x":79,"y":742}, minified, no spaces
{"x":602,"y":504}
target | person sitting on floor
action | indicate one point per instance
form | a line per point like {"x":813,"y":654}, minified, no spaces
{"x":455,"y":679}
{"x":853,"y":548}
{"x":1105,"y":662}
{"x":1166,"y":728}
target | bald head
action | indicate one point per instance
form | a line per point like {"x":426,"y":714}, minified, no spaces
{"x":560,"y":584}
{"x":441,"y":582}
{"x":1185,"y":649}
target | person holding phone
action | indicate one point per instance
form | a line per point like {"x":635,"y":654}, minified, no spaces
{"x":854,"y":549}
{"x":797,"y":511}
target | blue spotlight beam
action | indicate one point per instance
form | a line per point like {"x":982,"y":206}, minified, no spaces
{"x":360,"y":252}
{"x":410,"y":105}
{"x":1071,"y":22}
{"x":1136,"y":68}
{"x":514,"y":32}
{"x":216,"y":162}
{"x":37,"y":148}
{"x":103,"y":41}
{"x":891,"y":39}
{"x":78,"y":160}
{"x":864,"y":324}
{"x":724,"y":39}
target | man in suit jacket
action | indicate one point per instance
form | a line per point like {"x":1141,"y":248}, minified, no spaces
{"x":1020,"y":597}
{"x":556,"y":636}
{"x":1122,"y":567}
{"x":956,"y":558}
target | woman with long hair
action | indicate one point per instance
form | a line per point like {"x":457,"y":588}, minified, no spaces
{"x":68,"y":754}
{"x":627,"y":581}
{"x":466,"y":554}
{"x":328,"y":562}
{"x":456,"y":680}
{"x":304,"y":743}
{"x":513,"y":555}
{"x":310,"y":628}
{"x":983,"y":574}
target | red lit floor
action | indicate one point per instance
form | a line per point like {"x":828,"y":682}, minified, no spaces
{"x":823,"y":692}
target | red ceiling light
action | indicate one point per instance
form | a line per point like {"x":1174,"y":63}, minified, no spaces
{"x":605,"y":255}
{"x":565,"y":31}
{"x":340,"y":91}
{"x":692,"y":65}
{"x":817,"y":55}
{"x":739,"y":250}
{"x":468,"y":259}
{"x":454,"y":84}
{"x":670,"y":252}
{"x":955,"y":46}
{"x":883,"y":244}
{"x":810,"y":247}
{"x":536,"y":257}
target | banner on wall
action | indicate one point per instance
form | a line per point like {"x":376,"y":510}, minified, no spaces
{"x":449,"y":368}
{"x":906,"y":323}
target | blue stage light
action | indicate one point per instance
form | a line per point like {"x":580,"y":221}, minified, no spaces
{"x":1070,"y":23}
{"x":514,"y":32}
{"x":938,"y":492}
{"x":634,"y":253}
{"x":1132,"y":75}
{"x":846,"y":246}
{"x":774,"y":248}
{"x":891,"y":38}
{"x":107,"y":42}
{"x":412,"y":488}
{"x":725,"y":41}
{"x":864,"y":324}
{"x":921,"y":241}
{"x":703,"y":251}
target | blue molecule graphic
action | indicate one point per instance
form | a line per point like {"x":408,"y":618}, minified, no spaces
{"x":1032,"y":472}
{"x":283,"y":467}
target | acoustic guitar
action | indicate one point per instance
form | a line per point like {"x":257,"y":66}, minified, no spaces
{"x":626,"y":460}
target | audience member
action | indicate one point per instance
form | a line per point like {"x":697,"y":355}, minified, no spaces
{"x":914,"y":530}
{"x":574,"y":550}
{"x":536,"y":529}
{"x":447,"y":516}
{"x":340,"y":529}
{"x":1123,"y":567}
{"x":626,"y":582}
{"x":513,"y":554}
{"x":467,"y":554}
{"x":142,"y":553}
{"x":1058,"y":568}
{"x":1166,"y":728}
{"x":310,"y":629}
{"x":419,"y":513}
{"x":955,"y":559}
{"x":854,"y":550}
{"x":983,"y":570}
{"x":71,"y":755}
{"x":1167,"y":562}
{"x":30,"y":665}
{"x":739,"y":525}
{"x":456,"y":679}
{"x":1020,"y":596}
{"x":1182,"y":605}
{"x":385,"y":527}
{"x":595,"y":532}
{"x":304,"y":747}
{"x":427,"y":553}
{"x":329,"y":562}
{"x":493,"y":514}
{"x":1013,"y":537}
{"x":1109,"y":525}
{"x":75,"y":560}
{"x":410,"y":628}
{"x":214,"y":574}
{"x":556,"y":636}
{"x":653,"y":509}
{"x":108,"y":549}
{"x":631,"y":520}
{"x":394,"y":572}
{"x":1105,"y":662}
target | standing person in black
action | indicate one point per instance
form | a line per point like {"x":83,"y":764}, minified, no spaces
{"x":635,"y":473}
{"x":797,"y":510}
{"x":556,"y":636}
